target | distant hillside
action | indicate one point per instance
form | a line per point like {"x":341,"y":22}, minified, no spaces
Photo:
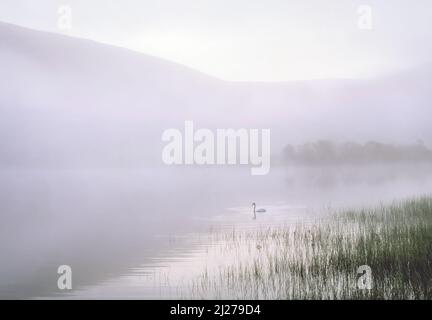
{"x":68,"y":102}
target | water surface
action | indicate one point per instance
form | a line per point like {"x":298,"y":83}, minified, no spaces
{"x":145,"y":233}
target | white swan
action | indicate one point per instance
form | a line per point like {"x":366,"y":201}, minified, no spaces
{"x":257,"y":210}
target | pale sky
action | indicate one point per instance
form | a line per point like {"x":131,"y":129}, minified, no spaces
{"x":257,"y":40}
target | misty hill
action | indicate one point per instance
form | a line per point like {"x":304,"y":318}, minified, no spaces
{"x":327,"y":152}
{"x":68,"y":102}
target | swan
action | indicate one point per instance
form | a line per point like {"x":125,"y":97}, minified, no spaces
{"x":256,"y":210}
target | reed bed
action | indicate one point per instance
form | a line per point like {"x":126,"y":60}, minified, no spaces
{"x":320,"y":260}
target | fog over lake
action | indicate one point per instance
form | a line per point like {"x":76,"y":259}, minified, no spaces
{"x":124,"y":217}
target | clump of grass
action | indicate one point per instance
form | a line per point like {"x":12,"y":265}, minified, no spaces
{"x":320,"y":261}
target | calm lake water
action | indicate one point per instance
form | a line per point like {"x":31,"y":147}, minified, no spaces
{"x":150,"y":233}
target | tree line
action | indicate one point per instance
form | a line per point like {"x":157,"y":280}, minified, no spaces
{"x":329,"y":152}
